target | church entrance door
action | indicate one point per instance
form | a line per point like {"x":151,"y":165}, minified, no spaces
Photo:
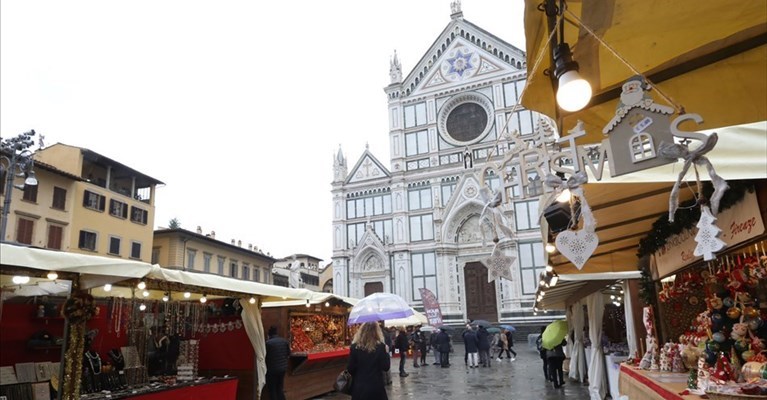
{"x":373,"y":287}
{"x":480,"y":294}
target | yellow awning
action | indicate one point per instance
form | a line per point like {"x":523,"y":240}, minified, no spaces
{"x":708,"y":56}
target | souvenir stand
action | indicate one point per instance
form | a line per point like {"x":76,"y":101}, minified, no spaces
{"x":127,"y":330}
{"x":667,"y":110}
{"x":319,"y":341}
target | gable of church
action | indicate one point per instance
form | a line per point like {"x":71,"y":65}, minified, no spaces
{"x":367,"y":168}
{"x":463,"y":53}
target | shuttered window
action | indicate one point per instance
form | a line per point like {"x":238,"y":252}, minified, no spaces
{"x":55,"y":234}
{"x":24,"y":228}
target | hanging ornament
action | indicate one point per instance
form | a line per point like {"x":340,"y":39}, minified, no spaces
{"x":707,"y":236}
{"x":493,"y":215}
{"x":498,"y":265}
{"x":577,"y":246}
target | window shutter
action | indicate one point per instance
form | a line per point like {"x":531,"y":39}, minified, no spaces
{"x":85,"y":202}
{"x":81,"y":242}
{"x":102,"y":203}
{"x":125,"y":211}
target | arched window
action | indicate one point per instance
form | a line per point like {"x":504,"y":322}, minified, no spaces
{"x":642,"y":147}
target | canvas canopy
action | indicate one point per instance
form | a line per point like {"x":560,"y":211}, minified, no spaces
{"x":574,"y":287}
{"x":315,"y":298}
{"x":708,"y":57}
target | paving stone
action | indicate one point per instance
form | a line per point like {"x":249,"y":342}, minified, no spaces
{"x":518,"y":380}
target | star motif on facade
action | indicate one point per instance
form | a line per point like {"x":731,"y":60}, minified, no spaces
{"x":460,"y":63}
{"x":498,"y":265}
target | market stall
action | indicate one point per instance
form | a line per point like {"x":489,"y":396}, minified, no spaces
{"x":126,"y":329}
{"x":319,"y":341}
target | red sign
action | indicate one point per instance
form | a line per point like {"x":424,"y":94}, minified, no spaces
{"x":431,"y":306}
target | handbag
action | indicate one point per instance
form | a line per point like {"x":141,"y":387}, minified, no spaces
{"x":343,"y":382}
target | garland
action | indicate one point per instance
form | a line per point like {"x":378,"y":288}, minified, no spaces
{"x":686,"y":217}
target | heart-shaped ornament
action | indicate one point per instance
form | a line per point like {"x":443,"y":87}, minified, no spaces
{"x":577,"y":246}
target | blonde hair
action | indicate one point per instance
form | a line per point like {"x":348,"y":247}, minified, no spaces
{"x":368,"y":336}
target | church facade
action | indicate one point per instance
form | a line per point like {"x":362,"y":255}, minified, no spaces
{"x":414,"y":222}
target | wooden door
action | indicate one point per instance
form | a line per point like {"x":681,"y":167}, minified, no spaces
{"x":373,"y":287}
{"x":480,"y":294}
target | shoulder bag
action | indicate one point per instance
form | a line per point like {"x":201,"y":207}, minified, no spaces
{"x":343,"y":382}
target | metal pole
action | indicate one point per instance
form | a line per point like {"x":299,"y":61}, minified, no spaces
{"x":10,"y":175}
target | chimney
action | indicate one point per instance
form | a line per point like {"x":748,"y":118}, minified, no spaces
{"x":213,"y":234}
{"x":250,"y":246}
{"x":239,"y":243}
{"x":233,"y":242}
{"x":199,"y":230}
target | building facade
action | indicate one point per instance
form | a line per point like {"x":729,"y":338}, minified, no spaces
{"x":309,"y":275}
{"x":416,"y":223}
{"x":84,"y":202}
{"x":194,"y":251}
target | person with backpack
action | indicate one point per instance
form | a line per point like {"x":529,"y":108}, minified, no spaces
{"x":556,"y":357}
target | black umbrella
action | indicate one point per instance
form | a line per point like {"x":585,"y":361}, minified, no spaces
{"x":481,"y":322}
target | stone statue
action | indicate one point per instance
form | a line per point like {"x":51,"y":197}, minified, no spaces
{"x":294,"y":279}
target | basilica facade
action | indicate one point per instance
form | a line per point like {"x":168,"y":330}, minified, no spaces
{"x":414,"y":221}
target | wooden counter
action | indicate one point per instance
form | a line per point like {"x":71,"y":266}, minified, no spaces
{"x":639,"y":384}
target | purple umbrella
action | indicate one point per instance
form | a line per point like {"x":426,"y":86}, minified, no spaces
{"x":379,"y":307}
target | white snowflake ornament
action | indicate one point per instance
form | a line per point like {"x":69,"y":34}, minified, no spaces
{"x":498,"y":265}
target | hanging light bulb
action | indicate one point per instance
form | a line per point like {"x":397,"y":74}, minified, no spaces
{"x":612,"y":297}
{"x":142,"y":307}
{"x":550,"y":248}
{"x":549,"y":268}
{"x":187,"y":295}
{"x":252,"y":300}
{"x":145,"y":293}
{"x":564,"y":197}
{"x":204,"y":299}
{"x":535,"y":312}
{"x":307,"y":303}
{"x":327,"y":304}
{"x":166,"y":296}
{"x":141,"y":285}
{"x":107,"y":287}
{"x":20,"y":279}
{"x":53,"y":275}
{"x":574,"y":92}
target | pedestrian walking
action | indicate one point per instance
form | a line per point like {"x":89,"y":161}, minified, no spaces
{"x":443,"y":343}
{"x":510,"y":341}
{"x":423,"y":347}
{"x":503,"y":343}
{"x":368,"y":360}
{"x":415,"y":344}
{"x":466,"y":329}
{"x":401,"y":344}
{"x":483,"y":344}
{"x":556,"y":357}
{"x":472,"y":347}
{"x":435,"y":347}
{"x":542,"y":353}
{"x":389,"y":349}
{"x":277,"y":355}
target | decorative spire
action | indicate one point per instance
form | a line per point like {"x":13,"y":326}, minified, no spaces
{"x":455,"y":9}
{"x":367,"y":145}
{"x":395,"y":69}
{"x":339,"y":166}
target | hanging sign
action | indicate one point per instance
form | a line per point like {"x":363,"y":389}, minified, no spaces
{"x":738,"y":223}
{"x":431,"y":307}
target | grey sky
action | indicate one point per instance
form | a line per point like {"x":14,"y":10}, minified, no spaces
{"x":238,"y":106}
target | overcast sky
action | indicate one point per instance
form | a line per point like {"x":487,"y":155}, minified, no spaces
{"x":237,"y":106}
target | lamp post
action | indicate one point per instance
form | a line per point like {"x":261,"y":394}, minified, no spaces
{"x":16,"y":161}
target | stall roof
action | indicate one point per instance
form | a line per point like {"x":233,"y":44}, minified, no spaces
{"x":572,"y":287}
{"x":97,"y":270}
{"x":717,"y":71}
{"x":316,"y":298}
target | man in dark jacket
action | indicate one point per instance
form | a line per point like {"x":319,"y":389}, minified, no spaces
{"x":472,"y":347}
{"x":277,"y":354}
{"x":542,"y":353}
{"x":401,"y":345}
{"x":443,"y":344}
{"x":483,"y":344}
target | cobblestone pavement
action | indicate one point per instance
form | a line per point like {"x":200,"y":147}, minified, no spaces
{"x":518,"y":380}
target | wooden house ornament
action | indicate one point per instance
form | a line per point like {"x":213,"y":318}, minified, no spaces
{"x":636,"y":131}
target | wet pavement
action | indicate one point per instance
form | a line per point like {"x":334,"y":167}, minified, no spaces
{"x":518,"y":380}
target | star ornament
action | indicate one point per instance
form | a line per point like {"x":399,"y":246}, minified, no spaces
{"x":498,"y":266}
{"x":460,"y":63}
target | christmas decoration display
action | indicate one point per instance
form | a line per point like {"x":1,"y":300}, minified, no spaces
{"x":707,"y":237}
{"x":665,"y":359}
{"x":317,"y":333}
{"x":498,"y":265}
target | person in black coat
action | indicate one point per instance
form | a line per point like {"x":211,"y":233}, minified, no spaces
{"x":510,"y":340}
{"x":542,"y":353}
{"x":443,"y":344}
{"x":556,"y":357}
{"x":389,"y":350}
{"x":401,"y":344}
{"x":483,"y":344}
{"x":368,"y":361}
{"x":277,"y":354}
{"x":423,"y":347}
{"x":472,"y":347}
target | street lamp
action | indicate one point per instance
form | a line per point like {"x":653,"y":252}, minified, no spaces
{"x":16,"y":161}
